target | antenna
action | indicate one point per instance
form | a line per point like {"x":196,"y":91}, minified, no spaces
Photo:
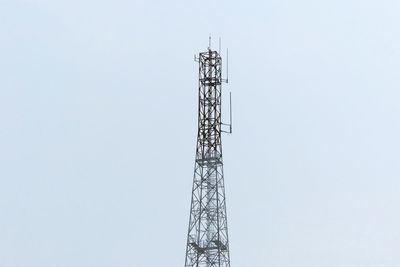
{"x":230,"y":115}
{"x":230,"y":112}
{"x":227,"y":64}
{"x":209,"y":41}
{"x":227,"y":67}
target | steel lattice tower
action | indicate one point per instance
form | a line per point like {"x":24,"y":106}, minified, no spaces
{"x":207,"y":241}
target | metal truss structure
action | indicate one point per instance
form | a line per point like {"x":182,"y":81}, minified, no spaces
{"x":207,"y":241}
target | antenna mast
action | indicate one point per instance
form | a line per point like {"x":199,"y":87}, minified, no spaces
{"x":207,"y":240}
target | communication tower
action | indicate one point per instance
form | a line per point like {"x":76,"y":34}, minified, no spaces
{"x":207,"y":240}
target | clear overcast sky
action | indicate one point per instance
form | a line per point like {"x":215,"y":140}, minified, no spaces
{"x":98,"y":104}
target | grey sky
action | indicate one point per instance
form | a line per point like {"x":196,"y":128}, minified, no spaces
{"x":98,"y":127}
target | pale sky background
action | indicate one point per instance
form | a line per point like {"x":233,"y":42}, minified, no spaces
{"x":98,"y":104}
